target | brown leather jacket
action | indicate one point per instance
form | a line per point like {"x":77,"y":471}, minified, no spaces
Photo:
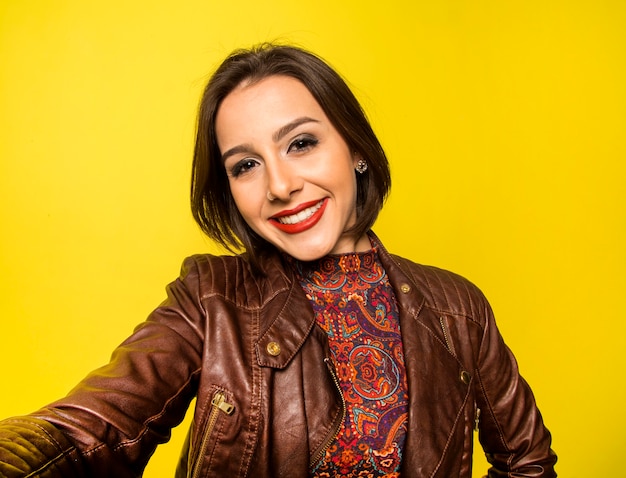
{"x":267,"y":401}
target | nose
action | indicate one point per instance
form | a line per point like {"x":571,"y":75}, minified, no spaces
{"x":282,"y":180}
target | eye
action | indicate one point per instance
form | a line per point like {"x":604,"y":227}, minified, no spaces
{"x":242,"y":167}
{"x":302,"y":143}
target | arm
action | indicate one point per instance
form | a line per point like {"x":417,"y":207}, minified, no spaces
{"x":511,"y":429}
{"x":33,"y":447}
{"x":111,"y":423}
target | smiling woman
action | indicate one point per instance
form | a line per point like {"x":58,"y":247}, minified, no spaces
{"x":312,"y":352}
{"x":319,"y":99}
{"x":291,"y":174}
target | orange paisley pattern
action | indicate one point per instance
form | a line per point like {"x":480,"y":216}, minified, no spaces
{"x":355,"y":305}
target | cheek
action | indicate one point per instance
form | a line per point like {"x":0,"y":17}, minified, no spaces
{"x":346,"y":181}
{"x":246,"y":199}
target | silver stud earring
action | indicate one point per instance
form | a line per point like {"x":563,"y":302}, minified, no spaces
{"x":361,"y":166}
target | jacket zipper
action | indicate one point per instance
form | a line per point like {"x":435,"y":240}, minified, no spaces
{"x":445,"y":335}
{"x":218,"y":404}
{"x":449,"y":345}
{"x":476,"y":418}
{"x":321,"y":451}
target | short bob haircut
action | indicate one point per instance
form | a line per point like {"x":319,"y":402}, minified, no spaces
{"x":212,"y":203}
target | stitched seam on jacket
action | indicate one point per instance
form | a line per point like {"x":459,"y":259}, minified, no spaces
{"x":456,"y":422}
{"x":224,"y":271}
{"x":247,"y":308}
{"x":147,"y":422}
{"x":441,"y":342}
{"x":490,"y":407}
{"x":253,"y":421}
{"x":63,"y":453}
{"x":409,"y":269}
{"x":48,"y":464}
{"x":297,"y":346}
{"x":448,"y":308}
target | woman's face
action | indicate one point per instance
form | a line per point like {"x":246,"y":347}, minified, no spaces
{"x":291,"y":174}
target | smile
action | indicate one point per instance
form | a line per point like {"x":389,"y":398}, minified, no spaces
{"x":301,"y":218}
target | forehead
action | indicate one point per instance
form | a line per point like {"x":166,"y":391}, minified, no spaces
{"x":268,"y":103}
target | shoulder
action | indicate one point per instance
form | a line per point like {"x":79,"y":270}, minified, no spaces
{"x":214,"y":267}
{"x":444,"y":291}
{"x":233,"y":278}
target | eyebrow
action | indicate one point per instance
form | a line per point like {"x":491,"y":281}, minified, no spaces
{"x":276,"y":137}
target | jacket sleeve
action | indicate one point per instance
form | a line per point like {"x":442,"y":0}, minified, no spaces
{"x":112,"y":421}
{"x":511,"y":429}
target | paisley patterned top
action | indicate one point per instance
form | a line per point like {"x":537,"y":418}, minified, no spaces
{"x":355,"y":304}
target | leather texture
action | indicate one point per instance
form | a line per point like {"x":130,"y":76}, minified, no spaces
{"x":210,"y":339}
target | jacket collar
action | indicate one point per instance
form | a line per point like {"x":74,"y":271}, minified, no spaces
{"x":291,"y":316}
{"x":409,"y":297}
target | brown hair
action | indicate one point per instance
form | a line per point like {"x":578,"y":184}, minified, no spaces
{"x":212,"y":203}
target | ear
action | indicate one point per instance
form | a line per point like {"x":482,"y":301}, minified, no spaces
{"x":359,"y":164}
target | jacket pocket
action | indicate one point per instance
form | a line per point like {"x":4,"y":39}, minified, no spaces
{"x":219,"y":408}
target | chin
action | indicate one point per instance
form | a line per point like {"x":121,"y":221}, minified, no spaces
{"x":306,"y":257}
{"x":308,"y":253}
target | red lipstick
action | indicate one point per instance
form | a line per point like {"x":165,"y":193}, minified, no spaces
{"x":303,"y":225}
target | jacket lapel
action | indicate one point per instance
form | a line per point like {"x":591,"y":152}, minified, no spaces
{"x":437,"y":395}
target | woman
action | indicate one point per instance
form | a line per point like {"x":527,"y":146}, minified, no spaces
{"x":313,"y":353}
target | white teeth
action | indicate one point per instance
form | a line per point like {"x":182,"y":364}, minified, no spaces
{"x":301,"y":216}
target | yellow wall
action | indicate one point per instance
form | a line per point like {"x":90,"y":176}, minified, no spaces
{"x":504,"y":123}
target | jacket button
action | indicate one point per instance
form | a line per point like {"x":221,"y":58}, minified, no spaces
{"x":405,"y":288}
{"x":465,"y":377}
{"x":273,"y":349}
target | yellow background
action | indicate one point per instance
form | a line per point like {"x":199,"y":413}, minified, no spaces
{"x":504,"y":122}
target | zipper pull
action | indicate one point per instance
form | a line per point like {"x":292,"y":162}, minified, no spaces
{"x":477,"y":419}
{"x":219,"y":401}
